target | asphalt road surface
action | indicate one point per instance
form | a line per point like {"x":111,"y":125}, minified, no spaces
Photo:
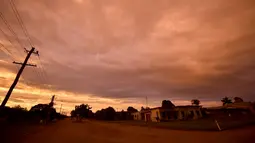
{"x":67,"y":131}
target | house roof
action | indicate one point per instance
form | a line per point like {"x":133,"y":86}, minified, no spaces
{"x":155,"y":108}
{"x":176,"y":107}
{"x":188,"y":106}
{"x":241,"y":105}
{"x":161,"y":108}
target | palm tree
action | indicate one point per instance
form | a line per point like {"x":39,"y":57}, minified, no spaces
{"x":238,"y":100}
{"x":226,"y":100}
{"x":195,"y":102}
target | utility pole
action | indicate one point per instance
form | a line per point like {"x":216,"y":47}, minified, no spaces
{"x":24,"y":64}
{"x":51,"y":104}
{"x":146,"y":101}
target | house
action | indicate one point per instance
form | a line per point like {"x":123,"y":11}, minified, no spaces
{"x":232,"y":109}
{"x":178,"y":113}
{"x":162,"y":114}
{"x":142,"y":115}
{"x":249,"y":106}
{"x":146,"y":115}
{"x":137,"y":116}
{"x":188,"y":112}
{"x":165,"y":114}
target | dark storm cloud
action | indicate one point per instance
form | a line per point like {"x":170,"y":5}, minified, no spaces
{"x":132,"y":49}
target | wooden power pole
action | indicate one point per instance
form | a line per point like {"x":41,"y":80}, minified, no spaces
{"x":146,"y":101}
{"x":24,"y":64}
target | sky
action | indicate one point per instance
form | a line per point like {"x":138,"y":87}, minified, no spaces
{"x":117,"y":53}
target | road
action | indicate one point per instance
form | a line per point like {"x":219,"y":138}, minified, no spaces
{"x":67,"y":131}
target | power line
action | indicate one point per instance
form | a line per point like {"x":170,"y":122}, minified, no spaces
{"x":12,"y":31}
{"x":7,"y":52}
{"x":16,"y":13}
{"x":38,"y":73}
{"x":6,"y":36}
{"x":43,"y":70}
{"x":15,"y":35}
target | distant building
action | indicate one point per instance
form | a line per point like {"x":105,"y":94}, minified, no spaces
{"x":250,"y":106}
{"x":232,"y":109}
{"x":137,"y":116}
{"x":163,"y":114}
{"x":189,"y":112}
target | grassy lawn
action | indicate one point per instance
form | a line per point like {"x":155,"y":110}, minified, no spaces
{"x":176,"y":125}
{"x":232,"y":123}
{"x":201,"y":124}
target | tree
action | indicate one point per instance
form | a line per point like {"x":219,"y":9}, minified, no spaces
{"x":16,"y":113}
{"x":46,"y":112}
{"x":83,"y":110}
{"x":142,"y":108}
{"x":238,"y":100}
{"x":131,"y":109}
{"x":18,"y":107}
{"x":167,"y":104}
{"x":73,"y":114}
{"x":99,"y":115}
{"x":106,"y":114}
{"x":195,"y":102}
{"x":122,"y":115}
{"x":226,"y":100}
{"x":110,"y":113}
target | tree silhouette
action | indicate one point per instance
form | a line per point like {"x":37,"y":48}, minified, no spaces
{"x":131,"y":109}
{"x":83,"y":111}
{"x":45,"y":111}
{"x":106,"y":114}
{"x":16,"y":113}
{"x":110,"y":113}
{"x":195,"y":102}
{"x":123,"y":115}
{"x":167,"y":104}
{"x":226,"y":100}
{"x":238,"y":100}
{"x":73,"y":114}
{"x":19,"y":108}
